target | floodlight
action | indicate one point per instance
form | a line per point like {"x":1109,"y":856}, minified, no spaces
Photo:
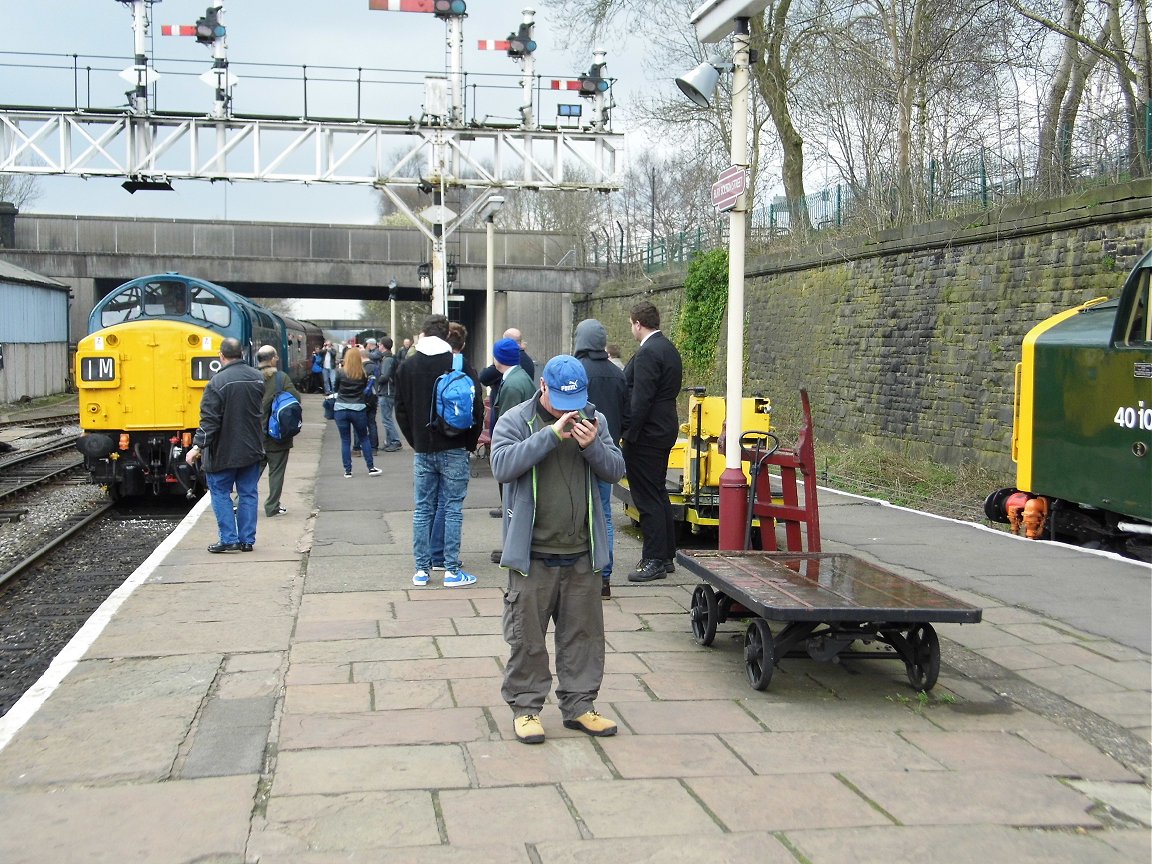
{"x":699,"y":85}
{"x":491,"y":208}
{"x":142,"y":183}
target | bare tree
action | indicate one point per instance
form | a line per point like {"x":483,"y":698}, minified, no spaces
{"x":19,"y":189}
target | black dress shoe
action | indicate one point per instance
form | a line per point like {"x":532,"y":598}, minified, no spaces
{"x":669,"y":565}
{"x":224,"y":547}
{"x":496,"y":513}
{"x":648,"y":570}
{"x":245,"y":547}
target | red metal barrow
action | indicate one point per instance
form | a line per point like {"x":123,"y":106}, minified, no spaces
{"x":826,"y":602}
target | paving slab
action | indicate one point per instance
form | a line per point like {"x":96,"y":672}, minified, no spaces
{"x":336,"y":770}
{"x":151,"y":823}
{"x":975,"y":843}
{"x":520,"y":814}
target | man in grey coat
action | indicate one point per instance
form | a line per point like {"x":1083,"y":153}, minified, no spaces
{"x":555,"y":545}
{"x":230,"y":441}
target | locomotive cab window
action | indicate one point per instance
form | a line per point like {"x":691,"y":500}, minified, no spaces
{"x":207,"y":306}
{"x":1137,"y":328}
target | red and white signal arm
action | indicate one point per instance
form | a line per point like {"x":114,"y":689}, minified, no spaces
{"x":177,"y":29}
{"x":565,"y":84}
{"x":400,"y":6}
{"x":494,"y":45}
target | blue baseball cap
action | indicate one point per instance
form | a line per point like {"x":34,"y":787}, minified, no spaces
{"x":567,"y":383}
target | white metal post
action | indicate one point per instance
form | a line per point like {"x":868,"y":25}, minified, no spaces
{"x":139,"y":97}
{"x":527,"y":115}
{"x":456,"y":69}
{"x":733,"y":485}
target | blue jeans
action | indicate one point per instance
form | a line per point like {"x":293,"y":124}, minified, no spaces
{"x":388,"y":418}
{"x":346,"y":421}
{"x":329,"y":380}
{"x":436,"y":540}
{"x":373,"y":432}
{"x":435,"y":477}
{"x":606,"y":503}
{"x":238,"y":526}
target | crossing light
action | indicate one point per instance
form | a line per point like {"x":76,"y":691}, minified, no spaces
{"x":448,"y":8}
{"x":521,"y":42}
{"x":452,"y":271}
{"x":593,"y":82}
{"x":209,"y":28}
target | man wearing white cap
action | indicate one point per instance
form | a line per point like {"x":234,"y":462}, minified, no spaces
{"x":555,"y":545}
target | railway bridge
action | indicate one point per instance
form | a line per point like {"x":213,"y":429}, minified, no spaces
{"x":535,"y":272}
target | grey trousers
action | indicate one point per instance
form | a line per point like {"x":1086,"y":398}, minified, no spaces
{"x":277,"y":464}
{"x":570,"y":596}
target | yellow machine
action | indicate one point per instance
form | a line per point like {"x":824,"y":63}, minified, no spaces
{"x":697,"y":461}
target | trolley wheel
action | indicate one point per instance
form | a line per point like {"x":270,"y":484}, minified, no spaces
{"x":924,"y":668}
{"x":705,"y":614}
{"x":759,"y":653}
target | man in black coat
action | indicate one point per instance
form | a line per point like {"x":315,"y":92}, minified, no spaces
{"x":231,"y":442}
{"x":654,"y":376}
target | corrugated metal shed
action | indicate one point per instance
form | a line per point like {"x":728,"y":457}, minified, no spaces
{"x":33,"y":334}
{"x":33,"y":308}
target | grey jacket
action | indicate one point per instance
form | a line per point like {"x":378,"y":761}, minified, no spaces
{"x":520,"y":441}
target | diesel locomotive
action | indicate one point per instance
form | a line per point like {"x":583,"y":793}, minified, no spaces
{"x":152,"y":345}
{"x":1083,"y":426}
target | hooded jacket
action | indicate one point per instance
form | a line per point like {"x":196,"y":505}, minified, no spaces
{"x":230,"y":435}
{"x":606,"y":385}
{"x":520,"y":441}
{"x":416,"y":378}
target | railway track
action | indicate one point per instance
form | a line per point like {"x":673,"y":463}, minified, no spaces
{"x":69,"y":528}
{"x":46,"y":422}
{"x":28,"y":468}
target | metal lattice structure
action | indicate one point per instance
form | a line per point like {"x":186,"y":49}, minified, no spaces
{"x":93,"y":144}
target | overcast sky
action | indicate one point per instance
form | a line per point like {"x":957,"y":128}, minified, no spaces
{"x":337,"y":33}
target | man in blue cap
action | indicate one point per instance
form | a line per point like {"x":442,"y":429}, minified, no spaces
{"x":555,"y":545}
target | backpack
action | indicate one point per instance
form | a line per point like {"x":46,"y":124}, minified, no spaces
{"x":452,"y":398}
{"x":285,"y":417}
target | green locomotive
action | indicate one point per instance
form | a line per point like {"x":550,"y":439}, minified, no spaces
{"x":1083,"y":426}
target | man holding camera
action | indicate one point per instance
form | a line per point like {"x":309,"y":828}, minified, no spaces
{"x":555,"y":546}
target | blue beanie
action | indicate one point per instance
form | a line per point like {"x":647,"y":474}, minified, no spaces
{"x":506,"y":352}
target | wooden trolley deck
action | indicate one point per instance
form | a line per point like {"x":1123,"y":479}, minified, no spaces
{"x":827,"y":602}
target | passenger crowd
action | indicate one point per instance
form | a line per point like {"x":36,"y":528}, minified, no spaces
{"x":559,"y":438}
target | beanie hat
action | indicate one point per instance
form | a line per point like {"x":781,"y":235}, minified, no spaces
{"x":506,"y":352}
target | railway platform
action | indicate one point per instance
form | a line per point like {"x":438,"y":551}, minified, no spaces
{"x":305,"y":703}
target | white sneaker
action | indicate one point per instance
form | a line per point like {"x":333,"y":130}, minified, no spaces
{"x":420,"y":579}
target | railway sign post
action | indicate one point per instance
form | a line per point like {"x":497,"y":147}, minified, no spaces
{"x":715,"y":20}
{"x":729,"y":186}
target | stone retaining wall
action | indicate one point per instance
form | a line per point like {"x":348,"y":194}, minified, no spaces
{"x":909,"y":339}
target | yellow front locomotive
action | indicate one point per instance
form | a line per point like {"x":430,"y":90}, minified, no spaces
{"x":140,"y":385}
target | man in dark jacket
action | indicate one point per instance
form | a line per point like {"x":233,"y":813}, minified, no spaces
{"x":386,"y":390}
{"x":231,"y":444}
{"x":275,"y":381}
{"x":654,"y":375}
{"x":440,"y":465}
{"x":607,"y":390}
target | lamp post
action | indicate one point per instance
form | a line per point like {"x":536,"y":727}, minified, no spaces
{"x":392,"y":310}
{"x":488,"y":214}
{"x":713,"y":21}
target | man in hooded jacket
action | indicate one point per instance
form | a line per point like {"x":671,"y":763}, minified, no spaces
{"x":608,"y":390}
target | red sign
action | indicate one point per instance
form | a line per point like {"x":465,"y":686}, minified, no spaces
{"x":729,"y":186}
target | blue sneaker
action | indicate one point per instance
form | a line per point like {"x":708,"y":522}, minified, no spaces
{"x":458,"y":579}
{"x":420,"y":579}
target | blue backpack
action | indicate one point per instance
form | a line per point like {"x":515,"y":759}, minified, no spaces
{"x":286,"y":416}
{"x":452,"y":400}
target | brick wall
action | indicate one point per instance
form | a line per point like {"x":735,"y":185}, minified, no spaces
{"x":909,"y":339}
